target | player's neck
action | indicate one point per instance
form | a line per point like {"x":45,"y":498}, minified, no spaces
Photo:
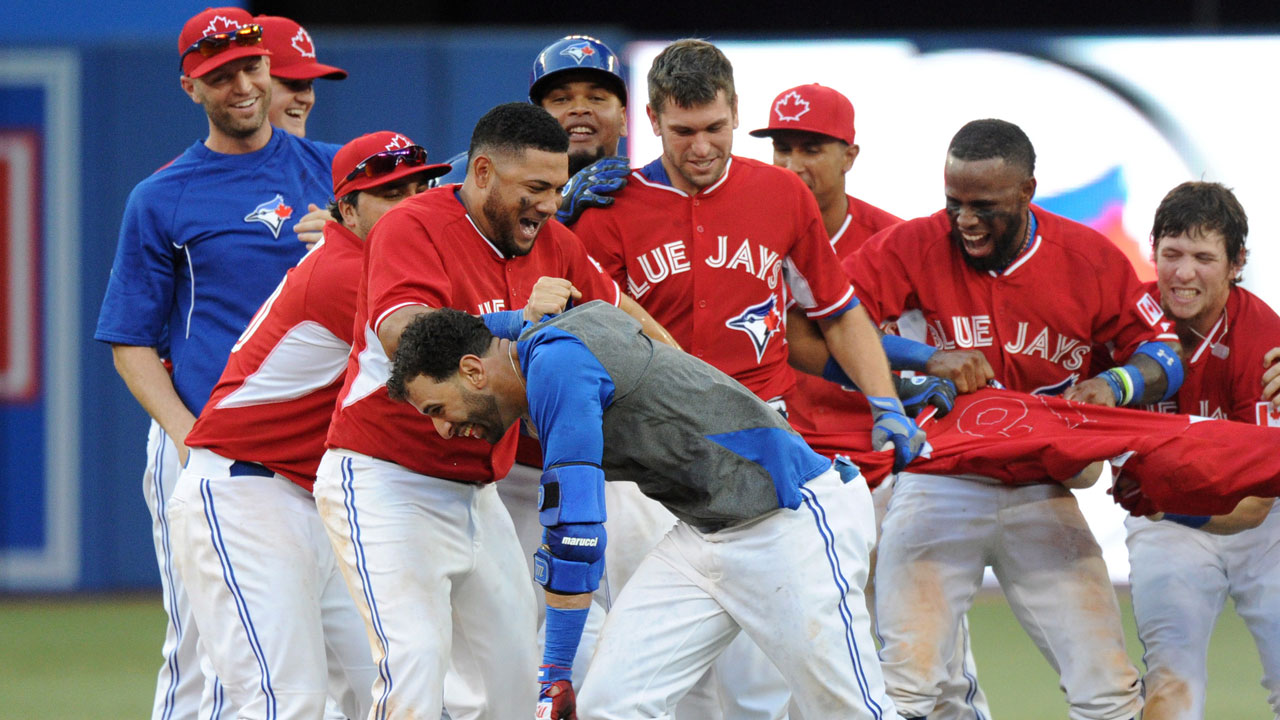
{"x":221,"y":142}
{"x":473,"y":203}
{"x":680,"y":183}
{"x":1193,"y":331}
{"x":834,"y":212}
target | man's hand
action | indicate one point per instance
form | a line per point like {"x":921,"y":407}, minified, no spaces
{"x":1128,"y":494}
{"x":591,"y":187}
{"x":310,"y":228}
{"x":893,"y":426}
{"x":921,"y":391}
{"x":1094,"y":391}
{"x":556,"y":700}
{"x":968,"y":369}
{"x":550,"y":296}
{"x":1271,"y":378}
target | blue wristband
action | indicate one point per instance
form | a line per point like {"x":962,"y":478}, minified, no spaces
{"x":906,"y":354}
{"x":564,"y":632}
{"x":1191,"y":521}
{"x":505,"y":324}
{"x":833,"y":372}
{"x":1169,"y":360}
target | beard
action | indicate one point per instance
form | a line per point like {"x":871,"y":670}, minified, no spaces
{"x":578,"y":161}
{"x":503,"y":225}
{"x":233,"y":127}
{"x":1006,"y":246}
{"x":482,"y":411}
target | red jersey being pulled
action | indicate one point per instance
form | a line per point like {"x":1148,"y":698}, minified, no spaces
{"x":1069,"y":296}
{"x":718,"y":268}
{"x":273,"y":402}
{"x":427,"y":251}
{"x":821,"y":411}
{"x":1224,"y":371}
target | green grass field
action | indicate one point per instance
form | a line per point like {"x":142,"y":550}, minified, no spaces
{"x":74,"y":659}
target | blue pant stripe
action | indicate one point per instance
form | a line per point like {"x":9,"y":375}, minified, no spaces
{"x":242,"y":607}
{"x":973,"y":680}
{"x":218,"y":699}
{"x":362,"y":569}
{"x":157,"y":481}
{"x":842,"y":587}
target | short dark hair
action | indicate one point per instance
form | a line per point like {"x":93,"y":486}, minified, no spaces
{"x":433,"y":344}
{"x":516,"y":127}
{"x":991,"y":138}
{"x":690,"y":72}
{"x":351,"y":198}
{"x":1201,"y":208}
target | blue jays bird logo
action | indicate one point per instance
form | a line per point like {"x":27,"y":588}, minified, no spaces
{"x":759,"y":322}
{"x":271,"y":213}
{"x":579,"y":51}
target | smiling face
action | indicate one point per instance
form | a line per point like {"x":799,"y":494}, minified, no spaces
{"x":291,"y":103}
{"x":457,"y":410}
{"x":591,"y":113}
{"x":1194,"y":275}
{"x":696,"y":141}
{"x":236,"y":97}
{"x":821,"y":161}
{"x":521,"y":192}
{"x":987,"y":204}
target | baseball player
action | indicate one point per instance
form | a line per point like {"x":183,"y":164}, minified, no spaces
{"x":812,"y":130}
{"x":1012,"y":293}
{"x":390,"y":492}
{"x":294,"y":70}
{"x":264,"y":585}
{"x":1183,"y":567}
{"x":771,"y":540}
{"x":715,"y":247}
{"x":200,"y":249}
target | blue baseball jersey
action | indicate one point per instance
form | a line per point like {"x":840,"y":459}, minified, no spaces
{"x":203,"y":242}
{"x":691,"y":437}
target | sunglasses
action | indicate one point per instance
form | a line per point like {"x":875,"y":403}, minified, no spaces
{"x":211,"y":45}
{"x":384,"y":162}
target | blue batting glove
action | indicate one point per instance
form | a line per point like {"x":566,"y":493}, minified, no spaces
{"x":591,"y":187}
{"x":921,"y":391}
{"x":892,"y":425}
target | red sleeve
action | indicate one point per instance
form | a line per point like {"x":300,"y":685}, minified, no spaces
{"x":1128,"y":315}
{"x":585,"y":273}
{"x":404,"y":267}
{"x":331,"y":292}
{"x":814,"y":274}
{"x":879,"y":274}
{"x":599,"y":235}
{"x":1257,"y":328}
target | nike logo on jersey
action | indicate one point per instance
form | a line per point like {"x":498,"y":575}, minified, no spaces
{"x":271,"y":213}
{"x":973,"y":332}
{"x":759,"y":322}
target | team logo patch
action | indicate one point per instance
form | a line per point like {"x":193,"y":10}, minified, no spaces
{"x":302,"y":43}
{"x":271,"y":213}
{"x":1150,"y":309}
{"x":221,"y":24}
{"x":1267,"y":416}
{"x":398,"y":142}
{"x":790,"y":107}
{"x":759,"y":322}
{"x":579,"y":51}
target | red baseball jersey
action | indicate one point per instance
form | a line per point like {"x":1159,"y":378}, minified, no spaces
{"x":427,"y":251}
{"x":1182,"y":463}
{"x":1224,"y":372}
{"x":274,"y":399}
{"x":1069,"y":297}
{"x":719,"y":267}
{"x":821,"y":411}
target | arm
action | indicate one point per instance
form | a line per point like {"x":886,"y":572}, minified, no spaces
{"x":310,"y":229}
{"x":1271,"y":378}
{"x":1248,"y":514}
{"x":1153,"y":373}
{"x":651,"y":327}
{"x":145,"y":375}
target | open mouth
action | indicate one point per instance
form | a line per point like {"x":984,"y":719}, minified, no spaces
{"x":245,"y":105}
{"x":976,"y":244}
{"x":296,"y":113}
{"x":581,"y":132}
{"x":529,"y":228}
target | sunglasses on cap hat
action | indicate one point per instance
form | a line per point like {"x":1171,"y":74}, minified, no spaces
{"x":211,"y":45}
{"x":384,"y":162}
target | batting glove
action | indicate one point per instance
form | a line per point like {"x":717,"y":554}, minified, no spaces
{"x":892,"y":425}
{"x":591,"y":187}
{"x":922,"y":391}
{"x":556,"y":700}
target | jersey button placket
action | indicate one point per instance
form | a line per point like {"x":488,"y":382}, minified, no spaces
{"x":697,"y":242}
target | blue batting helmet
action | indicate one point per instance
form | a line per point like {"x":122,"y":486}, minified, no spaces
{"x":576,"y":52}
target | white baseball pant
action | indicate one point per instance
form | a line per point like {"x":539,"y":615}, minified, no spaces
{"x":436,"y":572}
{"x":1181,"y":579}
{"x":939,"y":535}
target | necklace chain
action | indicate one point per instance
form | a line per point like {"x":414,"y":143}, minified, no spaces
{"x":511,"y":355}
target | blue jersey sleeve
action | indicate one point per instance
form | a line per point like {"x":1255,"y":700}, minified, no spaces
{"x":568,"y":392}
{"x":140,"y":291}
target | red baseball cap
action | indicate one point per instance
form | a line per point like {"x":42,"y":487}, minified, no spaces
{"x":293,"y":53}
{"x":351,"y":155}
{"x":811,"y":108}
{"x":211,"y":22}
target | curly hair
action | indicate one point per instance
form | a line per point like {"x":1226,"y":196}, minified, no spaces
{"x":433,"y":344}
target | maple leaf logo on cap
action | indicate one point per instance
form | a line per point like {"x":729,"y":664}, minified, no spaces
{"x":220,"y":23}
{"x":302,"y":43}
{"x":790,"y":107}
{"x":398,"y":142}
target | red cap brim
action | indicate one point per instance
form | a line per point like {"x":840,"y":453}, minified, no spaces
{"x":309,"y":71}
{"x":208,"y":64}
{"x":403,"y":171}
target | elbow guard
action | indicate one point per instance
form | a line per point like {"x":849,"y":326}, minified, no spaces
{"x":1169,"y":360}
{"x":571,"y":559}
{"x":571,"y":494}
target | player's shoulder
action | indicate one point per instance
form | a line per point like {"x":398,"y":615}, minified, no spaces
{"x":869,"y":216}
{"x":1076,"y":239}
{"x":310,"y":151}
{"x":1253,"y":312}
{"x":923,"y":233}
{"x":175,"y":173}
{"x":755,"y":172}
